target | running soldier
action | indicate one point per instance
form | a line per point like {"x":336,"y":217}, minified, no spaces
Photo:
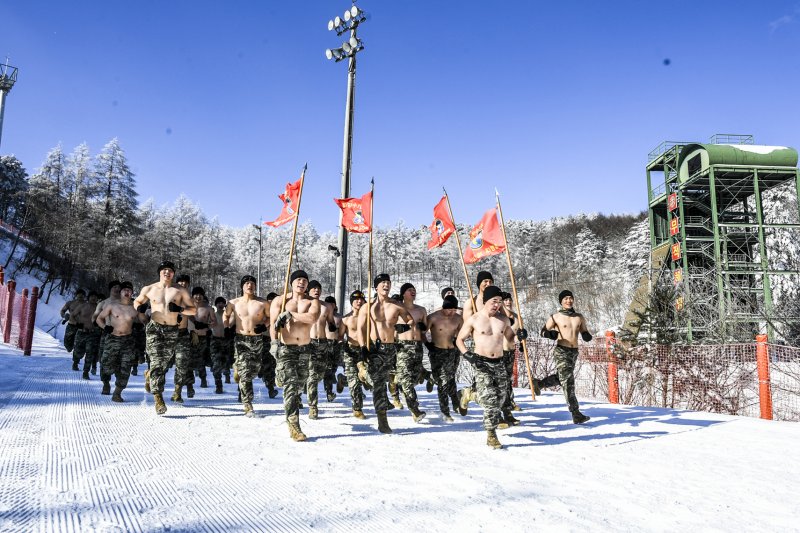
{"x":352,"y":354}
{"x":267,"y":373}
{"x":488,"y":327}
{"x":564,"y":327}
{"x":444,"y":326}
{"x":484,"y":281}
{"x":69,"y":313}
{"x":320,"y":357}
{"x":509,"y":357}
{"x":119,"y":350}
{"x":248,"y":315}
{"x":182,"y":355}
{"x":409,"y":349}
{"x":200,"y":335}
{"x":167,"y":303}
{"x":219,"y":345}
{"x":291,"y":345}
{"x":378,"y":347}
{"x":87,"y":338}
{"x":334,"y":336}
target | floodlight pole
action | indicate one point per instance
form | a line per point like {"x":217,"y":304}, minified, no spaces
{"x":8,"y":76}
{"x":347,"y":163}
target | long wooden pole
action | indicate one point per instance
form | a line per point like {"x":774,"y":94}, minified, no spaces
{"x":516,"y":298}
{"x":461,"y":253}
{"x":294,"y":237}
{"x":369,"y":264}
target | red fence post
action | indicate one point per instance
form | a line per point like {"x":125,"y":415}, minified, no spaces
{"x":31,"y":319}
{"x":23,"y":313}
{"x":613,"y":379}
{"x":2,"y":276}
{"x":12,"y":288}
{"x":764,"y":387}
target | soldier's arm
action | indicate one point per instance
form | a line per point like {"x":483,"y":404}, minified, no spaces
{"x":98,"y":310}
{"x":361,"y":325}
{"x":464,"y":334}
{"x":310,"y":316}
{"x":548,"y":330}
{"x":101,"y":318}
{"x":189,"y":308}
{"x":509,"y":333}
{"x":212,"y":319}
{"x":274,"y":311}
{"x":226,"y":315}
{"x":142,"y":298}
{"x":64,"y":309}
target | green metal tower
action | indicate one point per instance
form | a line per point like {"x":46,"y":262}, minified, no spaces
{"x":718,"y":213}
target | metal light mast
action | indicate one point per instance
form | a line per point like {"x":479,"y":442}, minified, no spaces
{"x":352,"y":18}
{"x":8,"y":77}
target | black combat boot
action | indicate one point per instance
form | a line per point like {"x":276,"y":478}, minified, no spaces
{"x":203,"y":383}
{"x":117,"y":396}
{"x":341,"y":383}
{"x":75,"y":365}
{"x":218,"y":383}
{"x":227,"y":378}
{"x":176,"y":396}
{"x":273,"y":392}
{"x":94,"y":369}
{"x":330,"y":395}
{"x":190,"y":390}
{"x":134,"y":370}
{"x":383,"y":422}
{"x":106,"y":388}
{"x":579,"y":418}
{"x":417,"y":414}
{"x":86,"y":374}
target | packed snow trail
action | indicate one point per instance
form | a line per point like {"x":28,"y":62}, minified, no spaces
{"x":71,"y":460}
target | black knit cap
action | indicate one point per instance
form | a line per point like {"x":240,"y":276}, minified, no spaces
{"x":482,"y":275}
{"x":314,"y":284}
{"x":379,"y":279}
{"x":404,"y":287}
{"x":166,"y":264}
{"x":182,"y":278}
{"x":271,"y":296}
{"x":113,"y":283}
{"x":563,"y":294}
{"x":199,"y":290}
{"x":247,"y":278}
{"x":446,"y":290}
{"x":219,"y":299}
{"x":126,"y":285}
{"x":356,"y":295}
{"x":450,"y":302}
{"x":330,"y":300}
{"x":491,"y":292}
{"x":298,"y":274}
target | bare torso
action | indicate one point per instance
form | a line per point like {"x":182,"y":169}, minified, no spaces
{"x":160,"y":297}
{"x":568,"y":328}
{"x":384,"y":315}
{"x":121,"y":317}
{"x":444,"y":329}
{"x":320,"y":326}
{"x":305,"y":312}
{"x":420,"y":315}
{"x":247,"y":312}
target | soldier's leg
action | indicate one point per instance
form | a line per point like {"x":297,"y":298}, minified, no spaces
{"x":218,"y":361}
{"x":329,"y":379}
{"x":353,"y":383}
{"x":508,"y":364}
{"x":92,"y":352}
{"x":128,"y":356}
{"x":448,"y":375}
{"x":490,"y":384}
{"x":565,"y":364}
{"x":79,"y":349}
{"x":69,"y":337}
{"x":248,"y":365}
{"x":230,"y":352}
{"x":380,"y":363}
{"x":160,"y":348}
{"x":109,"y":362}
{"x":287,"y":375}
{"x":317,"y":363}
{"x":437,"y":359}
{"x":407,"y":375}
{"x":183,"y":360}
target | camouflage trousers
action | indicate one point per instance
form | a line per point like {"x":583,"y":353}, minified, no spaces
{"x":118,"y":356}
{"x":318,"y":364}
{"x":139,"y":344}
{"x":565,"y":375}
{"x":268,"y":364}
{"x":69,"y":336}
{"x":219,"y":356}
{"x":409,"y":368}
{"x":161,"y":341}
{"x":491,"y":382}
{"x":183,"y":359}
{"x":247,"y":361}
{"x":334,"y":361}
{"x":199,"y":354}
{"x":87,"y":347}
{"x":509,"y":358}
{"x":292,"y":373}
{"x":352,"y":356}
{"x":443,"y":368}
{"x":381,"y":362}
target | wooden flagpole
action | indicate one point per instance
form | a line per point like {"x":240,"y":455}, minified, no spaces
{"x":369,"y":263}
{"x":291,"y":247}
{"x":461,"y":253}
{"x":516,"y":298}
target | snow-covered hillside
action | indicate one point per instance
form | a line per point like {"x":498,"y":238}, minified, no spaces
{"x":71,"y":460}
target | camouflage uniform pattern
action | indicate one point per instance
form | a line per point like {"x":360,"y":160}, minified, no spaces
{"x":317,"y":366}
{"x":92,"y":344}
{"x":352,"y":356}
{"x":491,"y":381}
{"x":219,"y":356}
{"x":443,"y":368}
{"x":292,"y":373}
{"x":248,"y":350}
{"x":161,"y":341}
{"x":267,"y":373}
{"x":381,"y":362}
{"x":335,"y":359}
{"x":119,"y":353}
{"x":197,"y":360}
{"x":183,"y":359}
{"x":69,"y":336}
{"x":509,"y":358}
{"x":409,"y":368}
{"x":231,"y":352}
{"x":565,"y":377}
{"x":79,"y":347}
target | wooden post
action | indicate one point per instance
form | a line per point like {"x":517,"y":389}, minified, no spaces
{"x":764,"y":387}
{"x":613,"y":379}
{"x":31,"y":321}
{"x":2,"y":275}
{"x":461,"y":255}
{"x":291,"y":248}
{"x":369,"y":263}
{"x":12,"y":290}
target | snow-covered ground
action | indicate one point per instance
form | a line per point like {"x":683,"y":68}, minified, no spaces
{"x":71,"y":460}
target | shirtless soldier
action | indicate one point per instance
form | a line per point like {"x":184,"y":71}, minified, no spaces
{"x":488,"y":327}
{"x":182,"y":354}
{"x":87,"y":337}
{"x":320,"y":357}
{"x":352,"y":354}
{"x":218,"y":347}
{"x":291,"y":345}
{"x":334,"y":335}
{"x":409,"y":350}
{"x":114,"y":289}
{"x":248,"y":314}
{"x":564,"y":327}
{"x":267,"y":372}
{"x":69,"y":312}
{"x":119,"y":350}
{"x":166,"y":303}
{"x":484,"y":280}
{"x":444,"y":325}
{"x":510,"y":355}
{"x":381,"y":350}
{"x":201,"y":322}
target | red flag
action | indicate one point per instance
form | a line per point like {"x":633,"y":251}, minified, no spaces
{"x":290,"y":199}
{"x":442,"y":226}
{"x":485,"y":239}
{"x":356,"y":213}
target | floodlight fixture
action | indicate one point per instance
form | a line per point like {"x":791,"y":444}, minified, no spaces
{"x":337,"y":54}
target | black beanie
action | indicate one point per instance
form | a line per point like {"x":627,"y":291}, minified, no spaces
{"x":446,"y":290}
{"x":126,"y":285}
{"x":183,"y":277}
{"x":115,"y":282}
{"x":482,"y":275}
{"x":298,"y":274}
{"x":166,"y":264}
{"x":450,"y":302}
{"x":314,"y":284}
{"x":245,"y":279}
{"x":404,"y":287}
{"x":219,"y":299}
{"x":491,"y":292}
{"x":199,"y":290}
{"x":563,"y":294}
{"x":379,"y":279}
{"x":356,"y":295}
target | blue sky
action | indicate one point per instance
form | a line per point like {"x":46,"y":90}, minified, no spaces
{"x":556,"y":104}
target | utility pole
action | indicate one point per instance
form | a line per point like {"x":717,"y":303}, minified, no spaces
{"x":258,"y":273}
{"x":8,"y":77}
{"x":353,"y":17}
